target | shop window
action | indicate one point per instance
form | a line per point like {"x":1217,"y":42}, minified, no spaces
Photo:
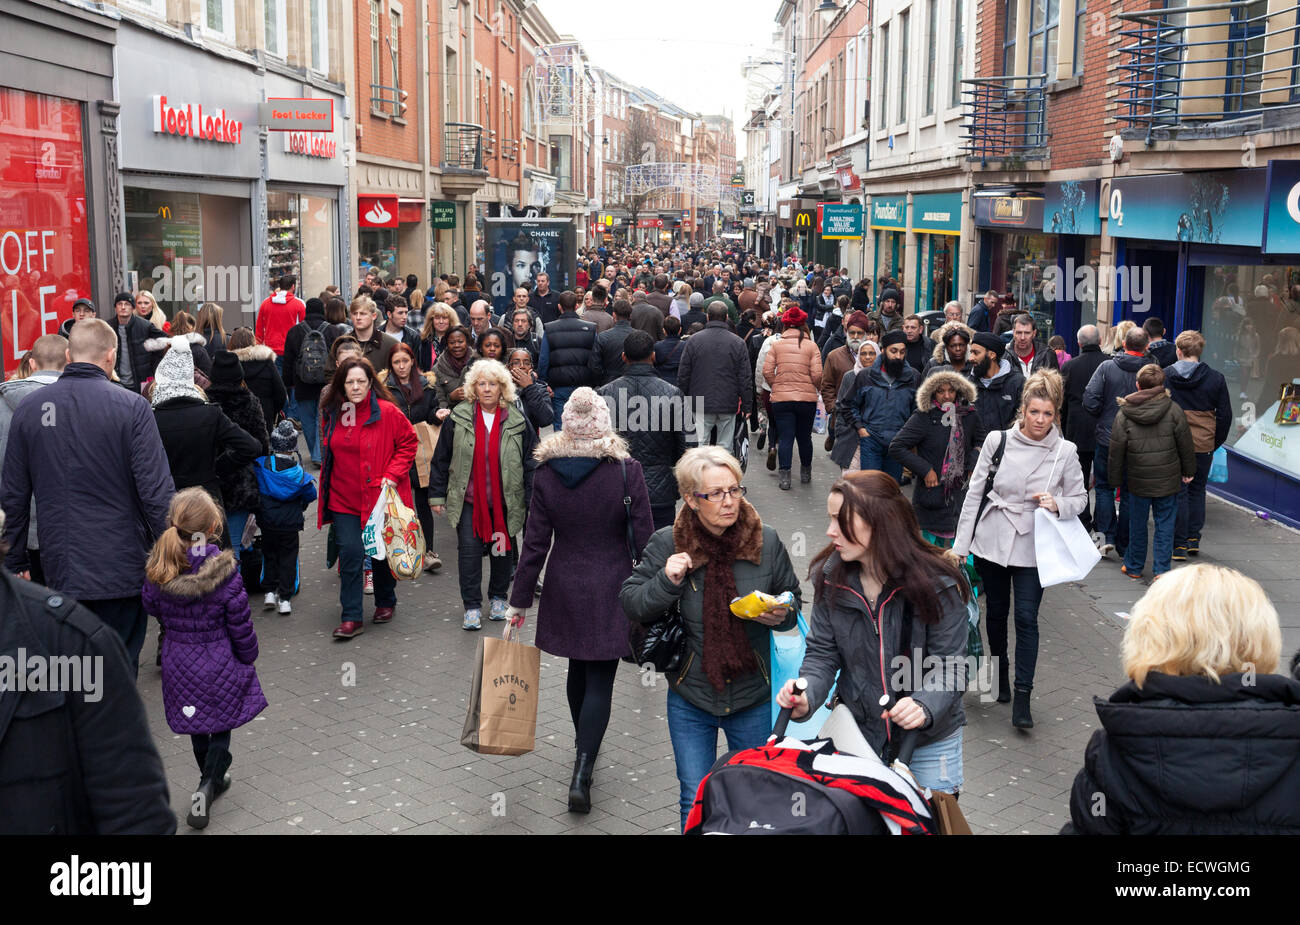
{"x":44,"y":242}
{"x":1251,"y":324}
{"x":378,"y":247}
{"x":1018,"y":275}
{"x":300,"y":239}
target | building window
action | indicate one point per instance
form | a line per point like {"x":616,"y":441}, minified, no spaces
{"x":1080,"y":11}
{"x":882,"y":118}
{"x":932,"y":49}
{"x":478,"y":96}
{"x":451,"y":89}
{"x":1044,"y":30}
{"x":1009,"y":39}
{"x":529,"y":103}
{"x":904,"y":20}
{"x":219,"y":19}
{"x":320,"y":36}
{"x":275,"y":38}
{"x":394,"y":52}
{"x":958,"y":49}
{"x":376,"y":76}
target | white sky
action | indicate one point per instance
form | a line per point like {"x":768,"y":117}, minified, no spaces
{"x":687,"y":51}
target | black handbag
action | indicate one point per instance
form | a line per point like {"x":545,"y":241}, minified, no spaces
{"x":662,"y":643}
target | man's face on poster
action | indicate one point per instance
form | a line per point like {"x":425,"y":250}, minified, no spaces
{"x":521,"y":266}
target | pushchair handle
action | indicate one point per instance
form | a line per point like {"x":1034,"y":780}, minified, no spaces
{"x":783,"y":718}
{"x":908,"y":745}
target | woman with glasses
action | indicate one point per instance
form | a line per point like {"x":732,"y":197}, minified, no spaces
{"x":717,"y":550}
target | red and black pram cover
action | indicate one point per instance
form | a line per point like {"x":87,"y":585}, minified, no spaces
{"x":806,"y":788}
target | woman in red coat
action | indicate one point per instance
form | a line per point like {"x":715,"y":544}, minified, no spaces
{"x":367,"y":443}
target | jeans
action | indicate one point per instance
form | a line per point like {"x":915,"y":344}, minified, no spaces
{"x":309,"y":414}
{"x":999,"y":583}
{"x":694,"y":734}
{"x":794,"y":421}
{"x":1191,"y":503}
{"x":726,"y":425}
{"x":557,"y":405}
{"x":1085,"y":463}
{"x":125,"y":616}
{"x":236,"y":521}
{"x":663,"y":515}
{"x":1165,"y":511}
{"x":875,"y":455}
{"x":347,"y":533}
{"x":470,"y":551}
{"x":938,"y":764}
{"x":1104,"y":520}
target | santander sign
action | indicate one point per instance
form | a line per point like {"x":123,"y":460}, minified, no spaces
{"x":188,"y":120}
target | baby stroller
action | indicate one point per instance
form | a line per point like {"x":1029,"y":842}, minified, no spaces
{"x":832,"y":785}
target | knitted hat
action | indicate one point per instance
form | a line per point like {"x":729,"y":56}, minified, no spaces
{"x":226,"y":369}
{"x":586,"y":415}
{"x":174,"y":377}
{"x":890,"y":338}
{"x":123,"y":297}
{"x":891,"y":294}
{"x":794,"y":317}
{"x":284,"y":439}
{"x":991,"y":342}
{"x":857,"y":319}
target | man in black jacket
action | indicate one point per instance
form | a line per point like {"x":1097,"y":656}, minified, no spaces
{"x":650,"y":414}
{"x":74,"y":761}
{"x":306,"y":396}
{"x":544,"y":302}
{"x":135,"y":364}
{"x":1028,"y":353}
{"x":984,"y":312}
{"x":1165,"y":353}
{"x":565,"y":361}
{"x":607,"y":359}
{"x":1079,"y":426}
{"x":919,"y":347}
{"x":716,"y":375}
{"x":100,"y":473}
{"x":998,"y":383}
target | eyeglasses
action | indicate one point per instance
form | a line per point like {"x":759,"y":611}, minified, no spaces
{"x":718,"y":494}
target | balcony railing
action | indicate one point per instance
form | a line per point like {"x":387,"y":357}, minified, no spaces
{"x":1188,"y":66}
{"x":1005,"y":118}
{"x":462,"y":145}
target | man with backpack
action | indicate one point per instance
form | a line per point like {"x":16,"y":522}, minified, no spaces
{"x":306,"y":356}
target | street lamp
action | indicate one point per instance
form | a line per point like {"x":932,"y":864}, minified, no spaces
{"x":827,"y":10}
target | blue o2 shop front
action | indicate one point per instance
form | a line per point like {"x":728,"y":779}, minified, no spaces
{"x":1219,"y":252}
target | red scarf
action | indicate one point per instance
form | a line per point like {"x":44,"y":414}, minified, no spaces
{"x":489,"y":519}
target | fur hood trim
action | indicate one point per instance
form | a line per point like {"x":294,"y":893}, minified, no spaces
{"x":255,"y":352}
{"x":925,"y":391}
{"x":428,"y":379}
{"x":564,"y":446}
{"x":212,"y":574}
{"x":156,"y":344}
{"x":948,"y":327}
{"x":686,"y":535}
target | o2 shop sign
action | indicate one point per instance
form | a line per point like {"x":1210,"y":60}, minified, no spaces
{"x":189,"y":120}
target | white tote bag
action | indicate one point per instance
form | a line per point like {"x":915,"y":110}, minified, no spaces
{"x":1063,"y":549}
{"x":372,"y":534}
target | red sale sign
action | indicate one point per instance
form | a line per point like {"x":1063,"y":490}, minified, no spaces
{"x":44,"y":241}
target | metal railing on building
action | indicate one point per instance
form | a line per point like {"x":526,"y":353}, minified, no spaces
{"x":1194,"y":68}
{"x":462,"y":145}
{"x":1005,"y":118}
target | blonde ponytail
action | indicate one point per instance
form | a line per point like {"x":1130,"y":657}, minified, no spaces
{"x":195,"y":521}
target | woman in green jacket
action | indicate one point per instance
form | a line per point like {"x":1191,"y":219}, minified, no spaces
{"x":718,"y":549}
{"x":481,"y":477}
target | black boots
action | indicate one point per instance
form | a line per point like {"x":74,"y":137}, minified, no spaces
{"x":785,"y":479}
{"x":1020,"y":717}
{"x":1004,"y":681}
{"x":214,"y":782}
{"x":771,"y":458}
{"x":580,"y":786}
{"x":805,"y":475}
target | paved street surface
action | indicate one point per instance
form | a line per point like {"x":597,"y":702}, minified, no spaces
{"x":384,"y":755}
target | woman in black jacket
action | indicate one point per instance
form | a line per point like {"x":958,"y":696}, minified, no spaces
{"x":1203,"y":738}
{"x":238,"y":484}
{"x":260,"y":373}
{"x":862,"y":300}
{"x":668,"y":352}
{"x":940,"y":443}
{"x":413,"y":392}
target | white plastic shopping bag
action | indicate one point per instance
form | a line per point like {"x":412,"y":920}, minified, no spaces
{"x":821,"y":418}
{"x":372,"y":534}
{"x":1063,"y":549}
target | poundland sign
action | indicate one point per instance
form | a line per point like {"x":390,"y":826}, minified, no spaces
{"x":889,"y":212}
{"x":841,"y":222}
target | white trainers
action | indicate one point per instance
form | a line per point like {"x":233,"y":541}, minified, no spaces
{"x":269,"y":602}
{"x":284,"y":608}
{"x":473,"y":619}
{"x":1106,"y":549}
{"x":432,"y":562}
{"x":498,"y":611}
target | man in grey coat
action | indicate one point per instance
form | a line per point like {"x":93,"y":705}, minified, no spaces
{"x":49,"y":355}
{"x":716,"y":375}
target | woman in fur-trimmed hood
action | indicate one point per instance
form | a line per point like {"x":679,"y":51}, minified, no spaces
{"x":260,"y":374}
{"x":941,"y":355}
{"x":583,"y":475}
{"x":939,"y":443}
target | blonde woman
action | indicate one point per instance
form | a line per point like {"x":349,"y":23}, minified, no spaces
{"x":1203,"y":738}
{"x":1117,"y":335}
{"x":438,"y":322}
{"x":210,"y":324}
{"x":1038,"y":469}
{"x":146,"y":306}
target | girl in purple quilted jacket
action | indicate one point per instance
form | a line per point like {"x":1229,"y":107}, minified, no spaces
{"x":209,"y":685}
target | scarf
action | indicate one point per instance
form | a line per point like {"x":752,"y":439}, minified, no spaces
{"x":727,"y":650}
{"x":489,"y":509}
{"x":458,"y":365}
{"x":953,"y":471}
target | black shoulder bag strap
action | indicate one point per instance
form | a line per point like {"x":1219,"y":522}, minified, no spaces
{"x":994,"y":464}
{"x":627,"y":513}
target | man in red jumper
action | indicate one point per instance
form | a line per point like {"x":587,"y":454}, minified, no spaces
{"x":277,"y":315}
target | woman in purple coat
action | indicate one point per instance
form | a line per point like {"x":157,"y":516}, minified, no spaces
{"x":209,"y":685}
{"x":578,"y":493}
